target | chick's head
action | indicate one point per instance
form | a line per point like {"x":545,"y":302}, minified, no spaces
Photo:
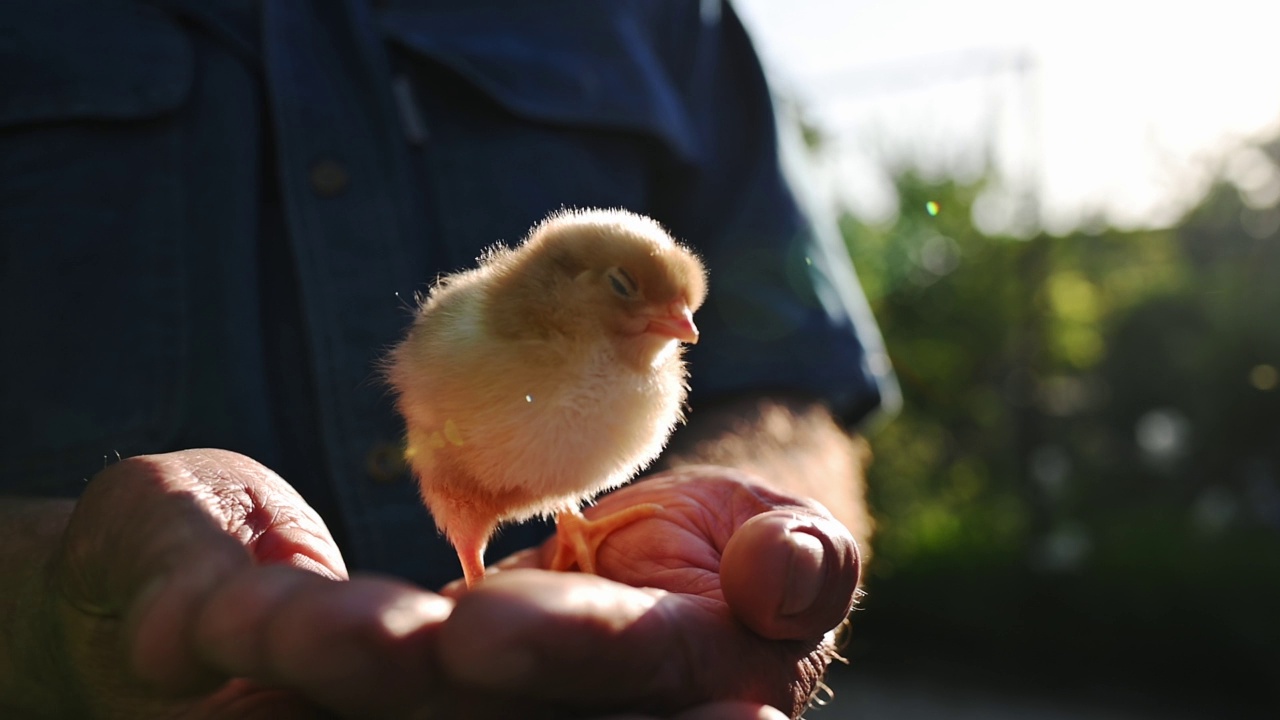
{"x":608,"y":273}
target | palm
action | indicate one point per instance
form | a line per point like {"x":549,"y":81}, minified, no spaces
{"x":679,"y":549}
{"x":711,"y":601}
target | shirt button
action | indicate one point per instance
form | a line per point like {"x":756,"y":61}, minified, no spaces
{"x":385,"y":463}
{"x":328,"y":178}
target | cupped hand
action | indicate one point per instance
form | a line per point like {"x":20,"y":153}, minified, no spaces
{"x":178,"y":572}
{"x":730,"y":593}
{"x":199,"y":584}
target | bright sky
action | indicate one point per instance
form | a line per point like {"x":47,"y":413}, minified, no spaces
{"x":1122,"y":107}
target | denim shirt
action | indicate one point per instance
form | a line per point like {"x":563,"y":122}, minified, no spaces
{"x":214,"y":217}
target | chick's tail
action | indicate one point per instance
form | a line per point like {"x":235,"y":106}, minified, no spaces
{"x":578,"y":539}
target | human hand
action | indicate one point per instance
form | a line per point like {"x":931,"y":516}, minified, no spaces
{"x":180,"y":571}
{"x":177,"y":572}
{"x":729,"y":593}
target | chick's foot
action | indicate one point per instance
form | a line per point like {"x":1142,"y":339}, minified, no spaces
{"x":578,"y":539}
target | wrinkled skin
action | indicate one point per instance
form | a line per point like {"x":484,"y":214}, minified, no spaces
{"x":179,"y":571}
{"x":715,"y":559}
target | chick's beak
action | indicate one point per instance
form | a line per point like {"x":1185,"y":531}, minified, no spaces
{"x":678,"y":324}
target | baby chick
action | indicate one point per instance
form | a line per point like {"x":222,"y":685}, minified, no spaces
{"x":546,"y":375}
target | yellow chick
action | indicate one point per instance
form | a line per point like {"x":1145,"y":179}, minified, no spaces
{"x":546,"y":375}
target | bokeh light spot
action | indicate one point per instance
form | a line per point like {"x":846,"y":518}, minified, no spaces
{"x":1264,"y":377}
{"x":1163,"y":434}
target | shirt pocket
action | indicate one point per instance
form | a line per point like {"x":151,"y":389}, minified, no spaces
{"x":529,"y":107}
{"x":91,"y":331}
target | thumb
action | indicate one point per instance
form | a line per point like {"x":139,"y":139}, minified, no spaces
{"x":790,"y":575}
{"x":150,"y":538}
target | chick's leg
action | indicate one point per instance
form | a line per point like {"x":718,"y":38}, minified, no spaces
{"x":469,"y":532}
{"x":471,"y":554}
{"x":578,"y":539}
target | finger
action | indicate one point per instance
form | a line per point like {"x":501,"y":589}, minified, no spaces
{"x":141,"y":546}
{"x":362,"y":648}
{"x":584,"y":640}
{"x":153,"y":536}
{"x":717,"y":711}
{"x":245,"y":700}
{"x":301,"y":548}
{"x":265,"y":513}
{"x":731,"y":711}
{"x":533,"y":558}
{"x":790,"y":575}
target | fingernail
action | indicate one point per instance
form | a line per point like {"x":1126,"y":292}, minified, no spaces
{"x":806,"y":573}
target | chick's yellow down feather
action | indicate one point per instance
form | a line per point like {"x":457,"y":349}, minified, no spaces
{"x":547,"y":374}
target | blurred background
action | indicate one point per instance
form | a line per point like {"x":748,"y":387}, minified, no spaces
{"x":1066,"y":217}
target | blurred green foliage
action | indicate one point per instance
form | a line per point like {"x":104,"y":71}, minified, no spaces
{"x":1084,"y":482}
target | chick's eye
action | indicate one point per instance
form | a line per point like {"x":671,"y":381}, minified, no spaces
{"x":618,"y":287}
{"x":622,"y":283}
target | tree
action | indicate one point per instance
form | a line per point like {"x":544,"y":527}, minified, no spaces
{"x":1089,"y":445}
